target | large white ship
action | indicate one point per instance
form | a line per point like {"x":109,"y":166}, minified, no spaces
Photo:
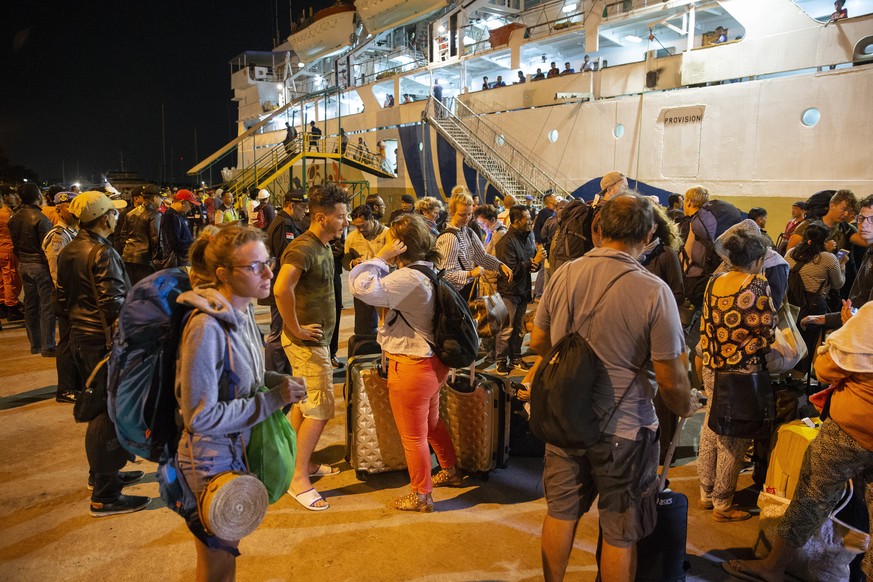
{"x":754,"y":99}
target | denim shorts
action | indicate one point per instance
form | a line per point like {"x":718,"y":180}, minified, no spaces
{"x":624,"y":473}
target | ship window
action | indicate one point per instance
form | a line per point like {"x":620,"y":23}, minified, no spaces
{"x":500,"y":140}
{"x":553,"y":135}
{"x":810,"y":117}
{"x":420,"y":146}
{"x":618,"y":131}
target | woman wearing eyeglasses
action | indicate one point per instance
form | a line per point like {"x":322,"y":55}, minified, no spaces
{"x":232,"y":267}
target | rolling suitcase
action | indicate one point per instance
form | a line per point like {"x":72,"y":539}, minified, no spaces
{"x":661,"y":554}
{"x":475,"y":409}
{"x":372,"y":442}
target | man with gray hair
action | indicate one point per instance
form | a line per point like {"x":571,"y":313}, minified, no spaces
{"x":641,"y":349}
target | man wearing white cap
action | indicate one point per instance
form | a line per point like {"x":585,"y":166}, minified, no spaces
{"x":92,"y":284}
{"x":266,"y":208}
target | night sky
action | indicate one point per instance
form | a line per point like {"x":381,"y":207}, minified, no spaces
{"x":83,"y":81}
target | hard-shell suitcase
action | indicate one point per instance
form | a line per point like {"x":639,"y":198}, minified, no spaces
{"x":475,"y":409}
{"x":372,"y":441}
{"x":661,"y":554}
{"x":789,"y":446}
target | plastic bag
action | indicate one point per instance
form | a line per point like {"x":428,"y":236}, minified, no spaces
{"x":271,"y":452}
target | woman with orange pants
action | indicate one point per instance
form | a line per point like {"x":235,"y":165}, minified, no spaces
{"x":415,"y":373}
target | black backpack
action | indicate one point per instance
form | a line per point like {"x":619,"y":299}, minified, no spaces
{"x":798,"y":296}
{"x":709,"y":223}
{"x":456,"y":342}
{"x":572,"y":239}
{"x":817,"y":205}
{"x":562,"y":394}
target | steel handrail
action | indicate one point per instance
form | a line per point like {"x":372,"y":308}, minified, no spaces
{"x":525,"y":169}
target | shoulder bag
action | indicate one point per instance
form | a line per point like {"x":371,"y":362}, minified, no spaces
{"x":743,"y":404}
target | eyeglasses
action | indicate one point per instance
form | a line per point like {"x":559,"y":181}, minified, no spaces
{"x":258,"y":267}
{"x":862,"y":219}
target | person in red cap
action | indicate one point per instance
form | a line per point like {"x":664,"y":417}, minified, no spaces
{"x":176,"y":237}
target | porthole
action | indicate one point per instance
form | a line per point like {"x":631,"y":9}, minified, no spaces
{"x":500,"y":140}
{"x":553,"y":135}
{"x":810,"y":117}
{"x":618,"y":131}
{"x":420,"y":146}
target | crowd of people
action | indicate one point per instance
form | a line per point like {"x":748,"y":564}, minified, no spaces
{"x":77,"y":261}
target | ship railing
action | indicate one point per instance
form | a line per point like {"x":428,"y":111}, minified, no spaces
{"x":278,"y":155}
{"x":525,"y":170}
{"x":478,"y":107}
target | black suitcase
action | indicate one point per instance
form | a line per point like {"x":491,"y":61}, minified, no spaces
{"x":661,"y":555}
{"x":476,"y":415}
{"x":362,"y":345}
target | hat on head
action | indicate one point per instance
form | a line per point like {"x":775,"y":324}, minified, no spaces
{"x":264,"y":194}
{"x":62,"y":197}
{"x":187,"y":196}
{"x":610,"y":179}
{"x":407,"y":198}
{"x":295,"y":195}
{"x":800,"y":204}
{"x":91,"y":205}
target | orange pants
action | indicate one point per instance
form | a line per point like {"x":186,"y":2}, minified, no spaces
{"x":10,"y":281}
{"x":414,"y":389}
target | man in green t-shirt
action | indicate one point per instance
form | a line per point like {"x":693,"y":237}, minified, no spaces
{"x":305,"y":298}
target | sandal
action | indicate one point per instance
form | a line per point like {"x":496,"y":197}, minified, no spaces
{"x":451,"y":477}
{"x":308,"y":499}
{"x":736,"y":569}
{"x":323,"y":470}
{"x":412,"y":502}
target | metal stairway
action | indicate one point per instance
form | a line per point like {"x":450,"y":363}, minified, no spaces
{"x":278,"y":158}
{"x":508,"y":169}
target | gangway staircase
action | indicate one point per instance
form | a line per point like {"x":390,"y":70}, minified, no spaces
{"x":507,"y":168}
{"x":273,"y":159}
{"x":307,"y":148}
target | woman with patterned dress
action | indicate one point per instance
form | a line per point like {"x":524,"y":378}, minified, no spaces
{"x":736,"y":330}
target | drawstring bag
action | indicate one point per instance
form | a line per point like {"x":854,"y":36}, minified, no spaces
{"x":271,"y":451}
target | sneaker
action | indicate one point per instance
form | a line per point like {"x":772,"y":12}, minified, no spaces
{"x":412,"y":502}
{"x":124,"y":504}
{"x":14,"y":314}
{"x":68,"y":398}
{"x":502,"y":369}
{"x":127,"y":477}
{"x":49,"y":353}
{"x":521,"y":365}
{"x":448,"y":478}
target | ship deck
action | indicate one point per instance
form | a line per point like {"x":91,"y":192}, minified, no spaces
{"x":486,"y":530}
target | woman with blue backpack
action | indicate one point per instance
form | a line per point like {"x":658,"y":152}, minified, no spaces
{"x":220,"y":375}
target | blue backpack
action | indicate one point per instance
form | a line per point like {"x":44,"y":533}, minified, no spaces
{"x":142,"y":365}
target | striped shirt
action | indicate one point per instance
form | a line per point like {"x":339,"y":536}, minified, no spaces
{"x":824,"y":272}
{"x":461,"y":251}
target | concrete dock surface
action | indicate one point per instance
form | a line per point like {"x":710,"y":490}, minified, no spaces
{"x":485,"y":530}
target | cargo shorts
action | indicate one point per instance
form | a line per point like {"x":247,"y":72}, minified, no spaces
{"x":623,"y":472}
{"x":313,"y":363}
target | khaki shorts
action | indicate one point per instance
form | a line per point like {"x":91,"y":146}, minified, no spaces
{"x":622,"y":475}
{"x":313,"y":363}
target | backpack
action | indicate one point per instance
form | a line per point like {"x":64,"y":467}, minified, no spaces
{"x":142,"y":365}
{"x":456,"y":342}
{"x":709,"y":223}
{"x":817,"y":205}
{"x":259,"y":220}
{"x":798,"y":296}
{"x":572,"y":238}
{"x":562,"y":393}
